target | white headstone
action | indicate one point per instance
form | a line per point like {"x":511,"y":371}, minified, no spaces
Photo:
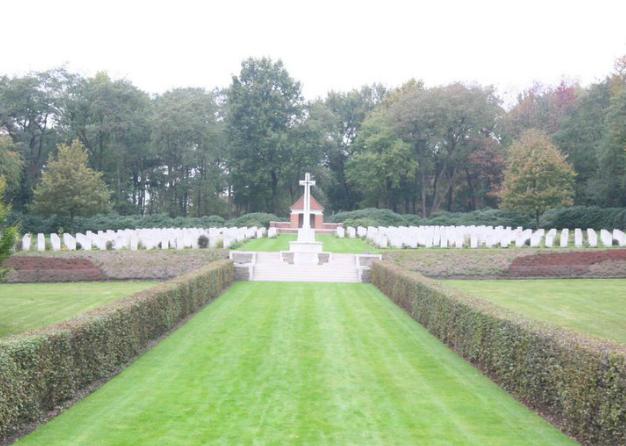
{"x":180,"y":242}
{"x":121,"y":241}
{"x":522,"y":237}
{"x":578,"y":238}
{"x":443,"y":240}
{"x":69,"y":242}
{"x":473,"y":241}
{"x":41,"y":242}
{"x":564,"y":242}
{"x":619,"y":237}
{"x":55,"y":241}
{"x":550,"y":236}
{"x":592,"y":238}
{"x":536,"y":237}
{"x":382,"y":241}
{"x":26,"y":242}
{"x":606,"y":237}
{"x":84,"y":240}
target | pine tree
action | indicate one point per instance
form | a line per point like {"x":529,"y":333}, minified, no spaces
{"x":68,"y":187}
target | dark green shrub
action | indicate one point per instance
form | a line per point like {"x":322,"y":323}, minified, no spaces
{"x":486,"y":217}
{"x":203,"y":242}
{"x":41,"y":370}
{"x":259,"y":219}
{"x":386,"y":217}
{"x":370,"y":216}
{"x":34,"y":223}
{"x":356,"y":222}
{"x":584,"y":217}
{"x":578,"y":382}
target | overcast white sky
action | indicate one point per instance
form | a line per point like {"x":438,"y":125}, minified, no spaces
{"x":327,"y":45}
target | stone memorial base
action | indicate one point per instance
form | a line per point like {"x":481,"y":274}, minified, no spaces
{"x":305,"y":249}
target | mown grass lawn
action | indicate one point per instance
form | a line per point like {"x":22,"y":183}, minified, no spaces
{"x":290,"y":363}
{"x":24,"y":307}
{"x":592,"y":306}
{"x":330,"y":243}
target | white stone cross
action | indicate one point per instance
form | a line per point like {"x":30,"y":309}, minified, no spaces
{"x":306,"y":217}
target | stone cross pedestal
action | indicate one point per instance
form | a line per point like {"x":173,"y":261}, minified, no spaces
{"x":305,"y":248}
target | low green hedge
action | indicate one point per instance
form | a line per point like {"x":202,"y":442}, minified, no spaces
{"x":37,"y":223}
{"x":584,"y":217}
{"x":259,"y":219}
{"x":386,"y":217}
{"x":41,"y":370}
{"x":577,"y":382}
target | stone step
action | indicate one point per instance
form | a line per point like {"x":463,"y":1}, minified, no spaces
{"x":323,"y":267}
{"x":258,"y":271}
{"x":305,"y":278}
{"x":269,"y":266}
{"x":305,"y":273}
{"x":279,"y":271}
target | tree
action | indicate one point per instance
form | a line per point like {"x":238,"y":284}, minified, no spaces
{"x":263,"y":105}
{"x":111,"y":118}
{"x":541,"y":107}
{"x":484,"y":173}
{"x":580,"y":138}
{"x":308,"y":142}
{"x":537,"y":177}
{"x":347,"y":112}
{"x":611,"y":180}
{"x":8,"y":234}
{"x":188,"y":139}
{"x":69,"y":187}
{"x":30,"y":110}
{"x":383,"y":168}
{"x":10,"y":167}
{"x":441,"y":125}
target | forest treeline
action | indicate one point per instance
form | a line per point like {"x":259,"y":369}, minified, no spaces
{"x":191,"y":152}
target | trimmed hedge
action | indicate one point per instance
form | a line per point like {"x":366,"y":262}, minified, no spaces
{"x":577,"y":382}
{"x":39,"y":371}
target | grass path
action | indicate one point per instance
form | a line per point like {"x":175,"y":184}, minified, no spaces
{"x":27,"y":306}
{"x":289,"y":363}
{"x":592,"y":306}
{"x":330,"y":243}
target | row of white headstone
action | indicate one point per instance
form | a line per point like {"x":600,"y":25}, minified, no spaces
{"x":154,"y":238}
{"x":481,"y":236}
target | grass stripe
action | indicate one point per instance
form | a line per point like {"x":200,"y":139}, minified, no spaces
{"x":294,"y":363}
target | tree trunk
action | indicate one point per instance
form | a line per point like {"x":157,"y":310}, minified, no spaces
{"x":423,"y":181}
{"x":470,"y":187}
{"x":274,"y":191}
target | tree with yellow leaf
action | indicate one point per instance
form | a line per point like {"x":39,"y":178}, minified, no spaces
{"x":538,"y":176}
